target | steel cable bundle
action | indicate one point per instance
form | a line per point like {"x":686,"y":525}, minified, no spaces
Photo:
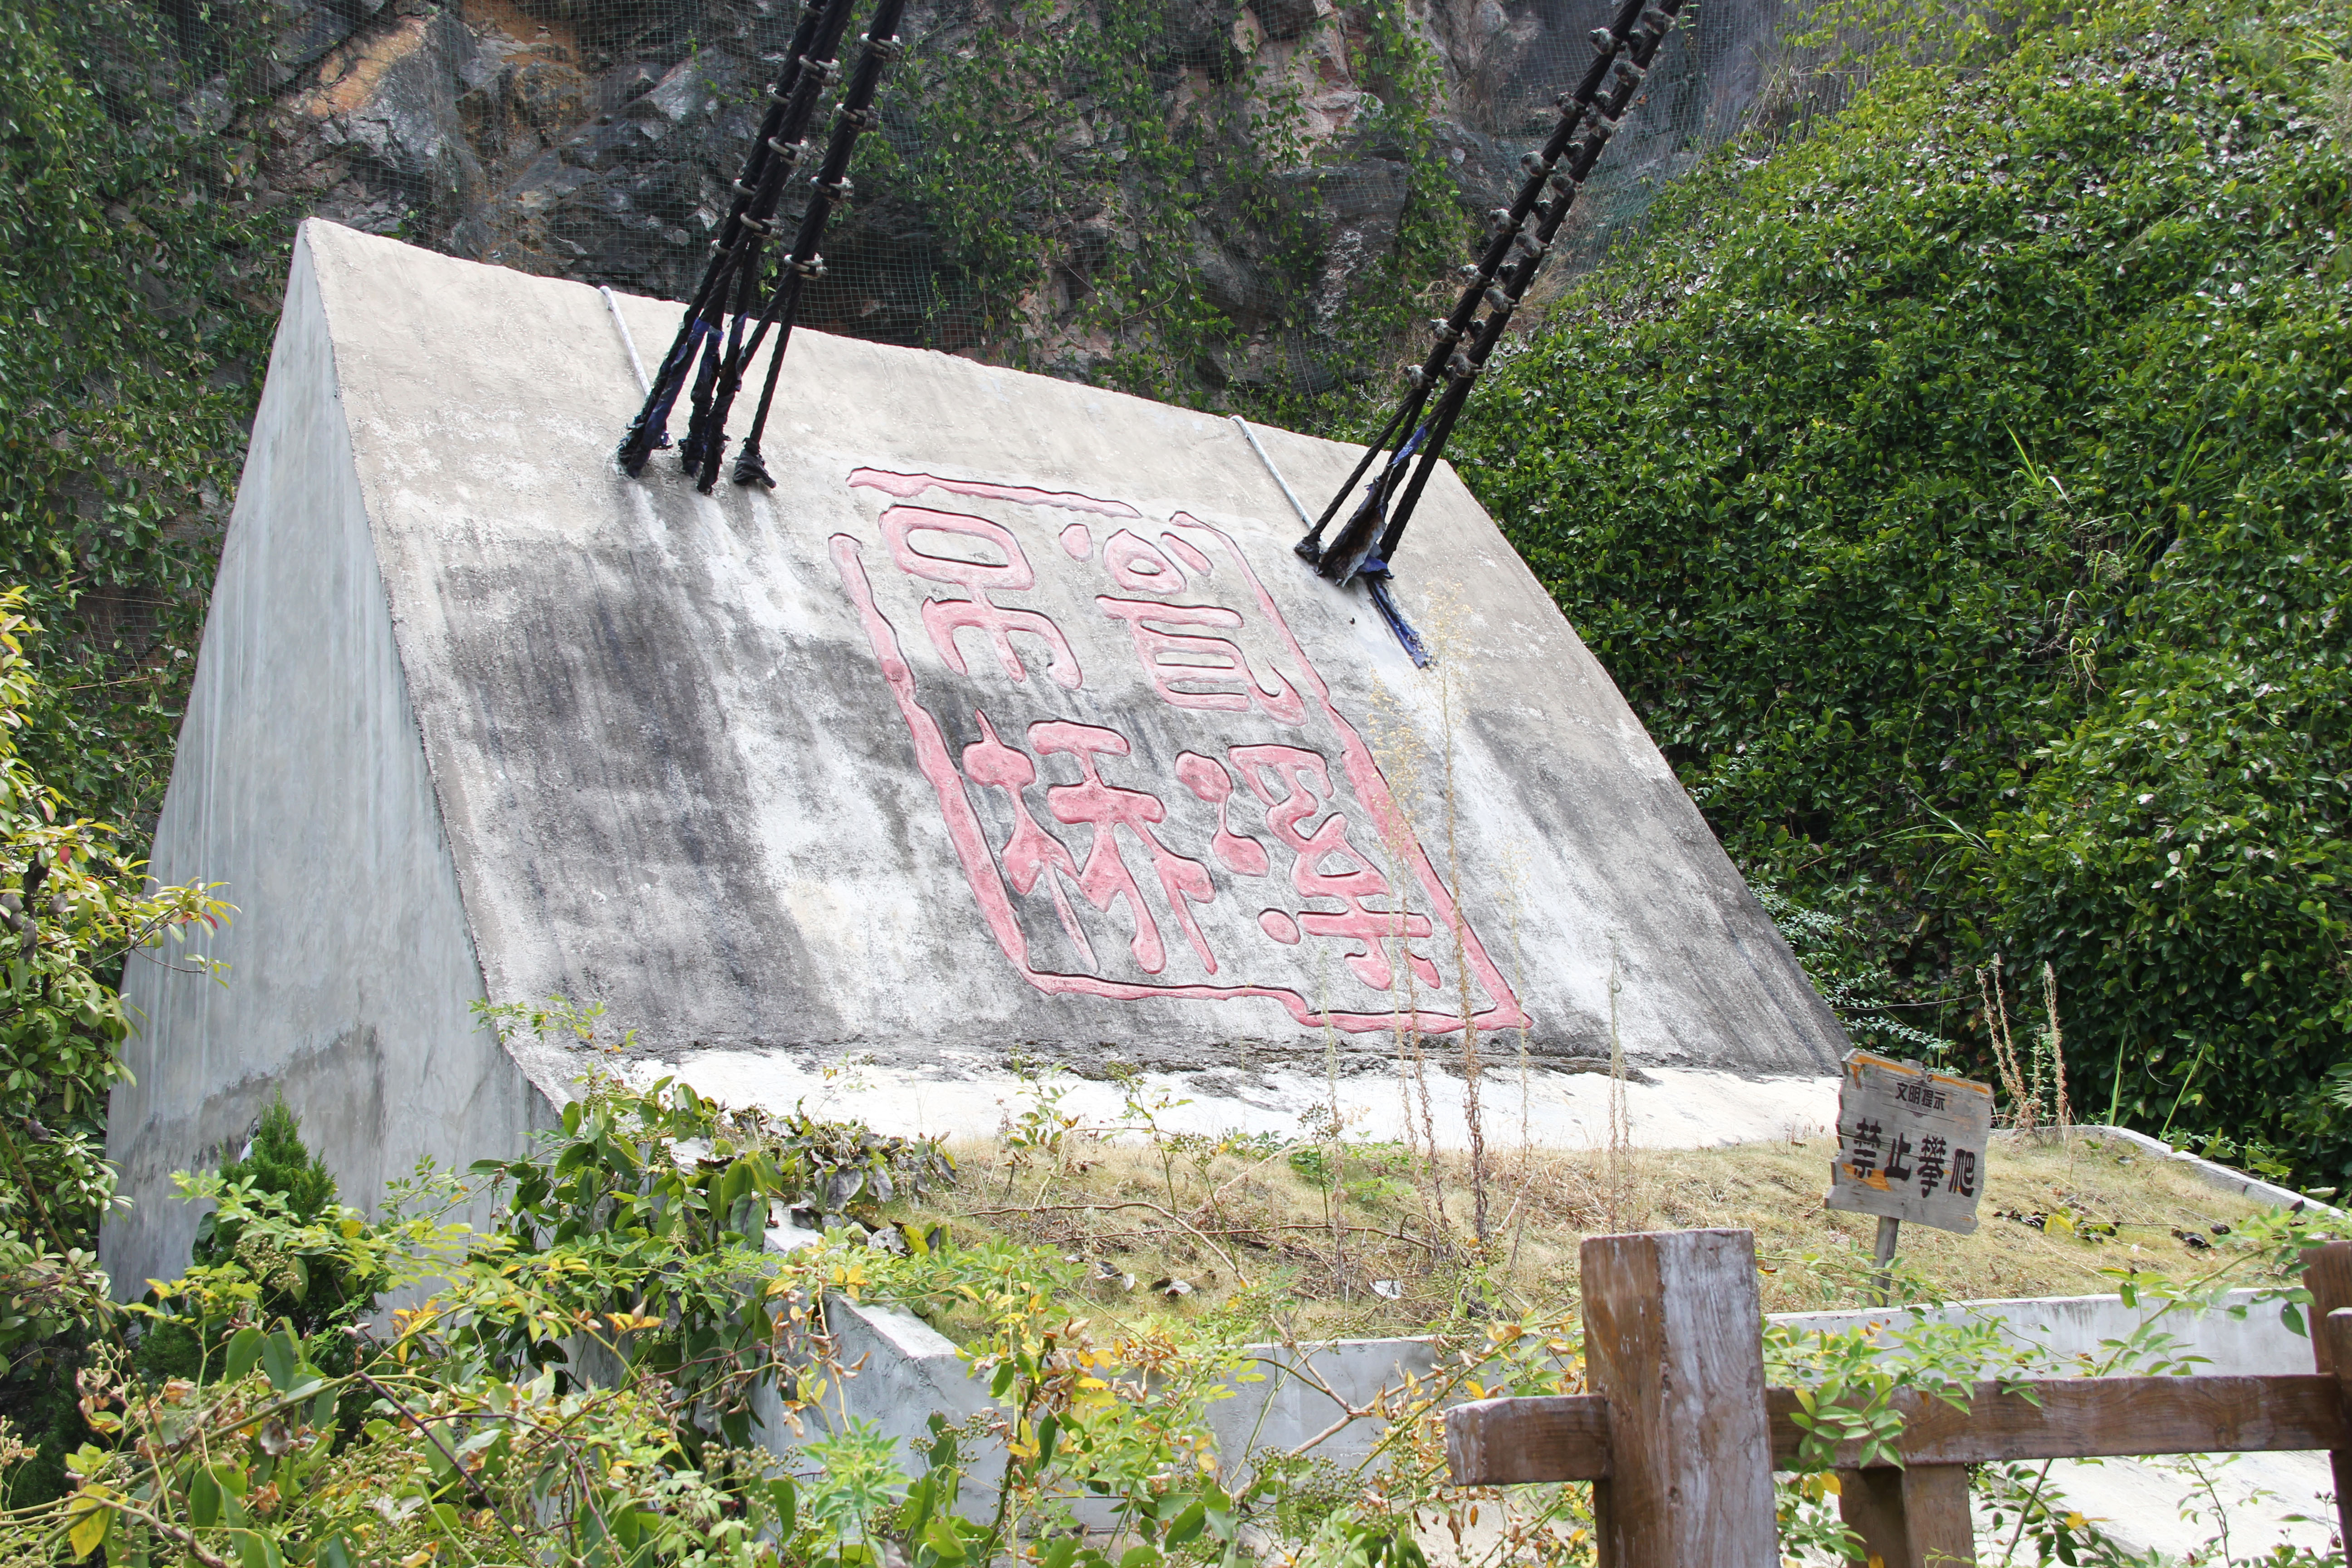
{"x":1497,"y":280}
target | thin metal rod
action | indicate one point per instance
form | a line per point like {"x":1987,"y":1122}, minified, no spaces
{"x":628,"y":343}
{"x":1287,"y":495}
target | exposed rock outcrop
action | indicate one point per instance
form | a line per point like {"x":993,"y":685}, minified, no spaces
{"x":596,"y":138}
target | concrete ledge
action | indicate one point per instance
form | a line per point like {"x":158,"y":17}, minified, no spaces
{"x":2080,"y":1327}
{"x":2227,"y":1178}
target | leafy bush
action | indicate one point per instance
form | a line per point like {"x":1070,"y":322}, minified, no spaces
{"x":71,"y":907}
{"x":1954,"y":495}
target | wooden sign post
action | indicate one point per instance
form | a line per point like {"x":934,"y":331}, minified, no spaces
{"x":1911,"y":1145}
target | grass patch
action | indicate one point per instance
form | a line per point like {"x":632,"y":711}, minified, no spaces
{"x":1283,"y":1241}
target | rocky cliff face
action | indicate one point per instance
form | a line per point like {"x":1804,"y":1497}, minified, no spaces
{"x":596,"y":138}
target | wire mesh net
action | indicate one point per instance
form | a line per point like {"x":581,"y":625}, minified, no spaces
{"x":1189,"y":197}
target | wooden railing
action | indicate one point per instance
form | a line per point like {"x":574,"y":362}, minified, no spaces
{"x":1680,"y":1436}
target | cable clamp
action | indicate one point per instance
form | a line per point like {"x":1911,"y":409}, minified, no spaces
{"x":748,"y":192}
{"x":792,"y":154}
{"x":756,"y":225}
{"x":1416,"y":377}
{"x":825,"y":70}
{"x":1443,"y":331}
{"x":776,"y":94}
{"x":1530,"y":245}
{"x":887,"y":51}
{"x":1565,"y":181}
{"x":1603,"y":40}
{"x":837,"y":191}
{"x":865,"y":119}
{"x":1460,"y":368}
{"x":812,"y":268}
{"x":1497,"y":300}
{"x":1630,"y":71}
{"x":1534,"y":163}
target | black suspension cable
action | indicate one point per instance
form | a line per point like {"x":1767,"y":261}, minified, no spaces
{"x":649,"y":429}
{"x":735,"y":251}
{"x":1497,"y":280}
{"x":829,"y":185}
{"x":722,"y":361}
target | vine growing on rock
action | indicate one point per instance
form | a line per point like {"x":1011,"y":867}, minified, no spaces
{"x":139,"y":285}
{"x":1110,"y":185}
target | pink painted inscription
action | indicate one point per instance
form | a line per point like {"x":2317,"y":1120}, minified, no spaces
{"x":1224,"y":832}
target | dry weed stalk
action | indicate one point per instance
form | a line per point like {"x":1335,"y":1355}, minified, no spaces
{"x":1443,"y":623}
{"x":1513,"y":888}
{"x":1398,"y":750}
{"x":1621,"y":1119}
{"x":2023,"y":1099}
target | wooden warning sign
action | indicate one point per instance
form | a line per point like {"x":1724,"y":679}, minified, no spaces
{"x":1911,"y":1144}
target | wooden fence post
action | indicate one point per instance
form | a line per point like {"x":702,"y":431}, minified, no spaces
{"x":1916,"y":1517}
{"x":2328,"y":1278}
{"x":1674,"y":1341}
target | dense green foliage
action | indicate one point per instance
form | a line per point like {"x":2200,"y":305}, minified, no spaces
{"x":137,"y":293}
{"x":1956,"y":497}
{"x":71,"y":905}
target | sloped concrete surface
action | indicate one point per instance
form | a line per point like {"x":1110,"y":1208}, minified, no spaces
{"x":301,"y":783}
{"x":1008,"y":724}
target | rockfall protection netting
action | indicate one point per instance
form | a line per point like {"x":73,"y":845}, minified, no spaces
{"x":1187,"y":197}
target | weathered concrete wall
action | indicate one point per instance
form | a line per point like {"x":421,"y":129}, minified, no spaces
{"x":711,"y":760}
{"x":301,"y":783}
{"x":1007,"y":725}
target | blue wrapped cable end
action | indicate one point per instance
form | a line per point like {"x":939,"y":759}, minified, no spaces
{"x":1375,"y":573}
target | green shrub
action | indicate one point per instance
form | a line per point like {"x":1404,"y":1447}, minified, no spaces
{"x":1955,"y":496}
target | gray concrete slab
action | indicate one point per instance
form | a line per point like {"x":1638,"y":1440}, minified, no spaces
{"x":301,"y":784}
{"x":1006,"y":723}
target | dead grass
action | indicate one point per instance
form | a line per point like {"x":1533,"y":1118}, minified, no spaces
{"x":1246,"y":1231}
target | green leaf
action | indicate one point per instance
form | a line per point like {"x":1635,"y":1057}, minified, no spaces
{"x":243,"y":1349}
{"x":281,"y":1358}
{"x":1186,"y":1526}
{"x":91,"y":1516}
{"x":203,"y":1499}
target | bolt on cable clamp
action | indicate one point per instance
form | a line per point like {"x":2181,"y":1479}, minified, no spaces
{"x":887,"y":51}
{"x":792,"y":154}
{"x":866,"y":119}
{"x":826,"y":70}
{"x":814,"y":268}
{"x":838,"y":191}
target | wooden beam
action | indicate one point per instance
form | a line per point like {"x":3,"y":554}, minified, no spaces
{"x":2086,"y":1418}
{"x":1673,"y":1342}
{"x":1501,"y":1442}
{"x":1505,"y":1442}
{"x":2328,"y":1278}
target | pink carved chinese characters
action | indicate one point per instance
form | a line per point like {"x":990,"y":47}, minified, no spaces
{"x":1176,"y":810}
